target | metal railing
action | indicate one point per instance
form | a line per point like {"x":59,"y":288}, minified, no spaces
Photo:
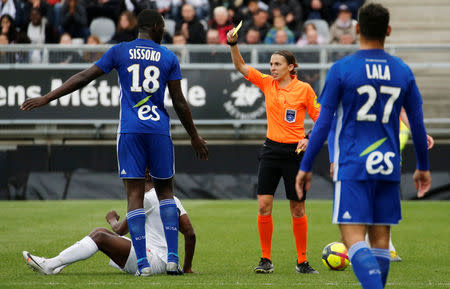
{"x":320,"y":57}
{"x":422,"y":58}
{"x":107,"y":129}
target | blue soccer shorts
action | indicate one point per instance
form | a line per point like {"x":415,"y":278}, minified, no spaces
{"x":136,"y":152}
{"x":366,"y":202}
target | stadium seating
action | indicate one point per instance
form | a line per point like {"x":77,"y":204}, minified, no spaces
{"x":170,"y":26}
{"x":322,"y":28}
{"x":103,"y":27}
{"x":424,"y":22}
{"x":419,"y":21}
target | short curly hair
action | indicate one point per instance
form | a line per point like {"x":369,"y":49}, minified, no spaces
{"x":373,"y":21}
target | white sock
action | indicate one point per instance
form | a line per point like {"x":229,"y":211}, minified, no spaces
{"x":391,"y":245}
{"x":81,"y":250}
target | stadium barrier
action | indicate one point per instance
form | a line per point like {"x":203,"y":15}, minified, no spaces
{"x":55,"y":172}
{"x":224,"y":105}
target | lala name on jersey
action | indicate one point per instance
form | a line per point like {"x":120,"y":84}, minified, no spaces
{"x":378,"y":71}
{"x":144,"y":53}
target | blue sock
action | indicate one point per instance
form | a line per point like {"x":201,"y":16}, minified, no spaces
{"x":169,"y":217}
{"x":136,"y":225}
{"x":365,"y":266}
{"x":383,"y":257}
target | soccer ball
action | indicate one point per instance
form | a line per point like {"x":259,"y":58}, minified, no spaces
{"x":334,"y":256}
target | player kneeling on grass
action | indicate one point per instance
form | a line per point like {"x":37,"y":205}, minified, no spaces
{"x":119,"y":248}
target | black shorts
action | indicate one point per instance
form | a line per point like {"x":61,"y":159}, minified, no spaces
{"x":278,"y":160}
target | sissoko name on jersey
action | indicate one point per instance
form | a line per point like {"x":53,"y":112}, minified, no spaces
{"x":142,"y":53}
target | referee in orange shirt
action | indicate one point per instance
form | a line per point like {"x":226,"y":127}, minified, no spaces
{"x":287,"y":99}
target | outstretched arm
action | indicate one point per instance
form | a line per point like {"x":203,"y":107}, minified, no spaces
{"x":238,"y":61}
{"x":184,"y":114}
{"x":121,"y":227}
{"x":75,"y":82}
{"x":189,"y":242}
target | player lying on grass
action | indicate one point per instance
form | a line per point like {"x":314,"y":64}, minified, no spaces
{"x":145,"y":70}
{"x":119,"y":248}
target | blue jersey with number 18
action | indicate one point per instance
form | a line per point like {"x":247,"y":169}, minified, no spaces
{"x":367,"y":90}
{"x":144,"y":68}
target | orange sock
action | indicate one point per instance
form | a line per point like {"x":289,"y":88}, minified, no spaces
{"x":265,"y":229}
{"x":300,"y":228}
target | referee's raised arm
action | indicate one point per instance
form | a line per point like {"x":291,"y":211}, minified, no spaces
{"x":238,"y":61}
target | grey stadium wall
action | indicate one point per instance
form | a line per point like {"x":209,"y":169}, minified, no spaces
{"x":89,"y":172}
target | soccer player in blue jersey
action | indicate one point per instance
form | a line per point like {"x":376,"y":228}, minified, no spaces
{"x":403,"y":138}
{"x":145,"y":68}
{"x":367,"y":91}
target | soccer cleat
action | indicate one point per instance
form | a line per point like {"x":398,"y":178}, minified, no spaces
{"x":265,"y":266}
{"x":59,"y":269}
{"x":395,"y":257}
{"x":305,"y":268}
{"x":145,"y":272}
{"x":173,"y":268}
{"x":36,"y":263}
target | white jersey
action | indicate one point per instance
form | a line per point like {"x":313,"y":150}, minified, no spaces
{"x":154,"y":231}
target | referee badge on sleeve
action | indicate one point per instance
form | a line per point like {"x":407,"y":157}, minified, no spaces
{"x":290,"y":115}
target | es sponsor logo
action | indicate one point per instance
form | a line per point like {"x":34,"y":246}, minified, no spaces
{"x":377,"y":162}
{"x":146,"y":112}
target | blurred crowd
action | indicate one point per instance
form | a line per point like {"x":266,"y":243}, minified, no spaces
{"x":188,"y":21}
{"x":296,"y":22}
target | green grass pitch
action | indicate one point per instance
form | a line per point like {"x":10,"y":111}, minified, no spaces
{"x":227,"y":246}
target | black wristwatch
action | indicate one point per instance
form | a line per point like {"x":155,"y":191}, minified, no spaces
{"x":231,"y":43}
{"x":308,"y":134}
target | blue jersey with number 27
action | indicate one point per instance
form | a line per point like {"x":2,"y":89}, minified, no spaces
{"x":367,"y":90}
{"x":144,"y":68}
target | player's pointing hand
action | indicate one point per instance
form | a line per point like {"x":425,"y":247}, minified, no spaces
{"x":32,"y":103}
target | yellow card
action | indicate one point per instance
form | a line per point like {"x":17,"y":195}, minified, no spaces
{"x":299,"y":150}
{"x":237,"y":28}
